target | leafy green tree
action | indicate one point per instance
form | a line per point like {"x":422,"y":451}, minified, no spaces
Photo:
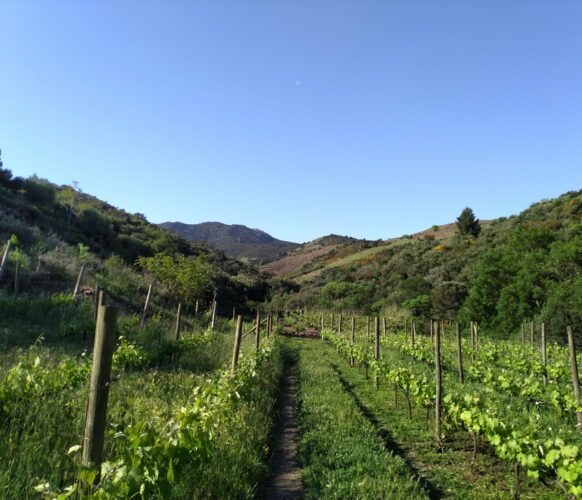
{"x":419,"y":306}
{"x":447,"y":299}
{"x":5,"y":174}
{"x":468,"y":224}
{"x":188,"y":277}
{"x":495,"y":270}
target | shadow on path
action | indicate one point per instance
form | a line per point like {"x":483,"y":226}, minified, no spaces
{"x":286,"y":482}
{"x":390,"y":444}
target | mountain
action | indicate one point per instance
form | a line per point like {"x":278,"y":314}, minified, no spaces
{"x":235,"y":240}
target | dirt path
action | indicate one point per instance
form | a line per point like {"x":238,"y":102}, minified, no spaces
{"x":286,"y":481}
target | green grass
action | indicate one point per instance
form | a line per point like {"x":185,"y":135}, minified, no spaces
{"x":342,"y":453}
{"x":451,"y":471}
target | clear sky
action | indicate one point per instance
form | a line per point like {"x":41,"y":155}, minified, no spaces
{"x":299,"y":117}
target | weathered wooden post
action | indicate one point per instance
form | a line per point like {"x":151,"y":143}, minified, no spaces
{"x":353,"y":332}
{"x":438,"y":381}
{"x":97,"y":298}
{"x":376,"y":346}
{"x":5,"y":257}
{"x":213,"y":318}
{"x":178,"y":325}
{"x":146,"y":305}
{"x":17,"y":278}
{"x":339,"y":324}
{"x":476,"y":335}
{"x":384,"y":325}
{"x":413,"y":332}
{"x":258,"y":332}
{"x":544,"y":352}
{"x":269,"y":324}
{"x":575,"y":379}
{"x":322,"y":321}
{"x":95,"y":420}
{"x":532,"y":333}
{"x":196,"y":308}
{"x":236,"y":347}
{"x":459,"y":353}
{"x":79,"y":280}
{"x":472,"y":341}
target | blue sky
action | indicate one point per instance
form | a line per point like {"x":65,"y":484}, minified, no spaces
{"x":301,"y":118}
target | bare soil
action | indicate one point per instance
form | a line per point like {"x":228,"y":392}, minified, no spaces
{"x":286,"y":482}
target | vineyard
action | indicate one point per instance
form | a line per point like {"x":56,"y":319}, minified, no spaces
{"x":180,"y":410}
{"x":384,"y":409}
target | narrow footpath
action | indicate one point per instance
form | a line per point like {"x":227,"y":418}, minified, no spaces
{"x":286,"y":480}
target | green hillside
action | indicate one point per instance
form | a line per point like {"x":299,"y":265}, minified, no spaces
{"x":517,"y":269}
{"x":56,"y":229}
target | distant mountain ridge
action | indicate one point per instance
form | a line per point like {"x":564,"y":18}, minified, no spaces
{"x":235,"y":240}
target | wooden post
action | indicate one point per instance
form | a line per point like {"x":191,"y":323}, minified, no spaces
{"x":532,"y":333}
{"x":17,"y":279}
{"x":413,"y":331}
{"x":97,"y":300}
{"x":94,"y":433}
{"x":237,"y":337}
{"x":339,"y":324}
{"x":353,"y":339}
{"x":178,"y":322}
{"x":575,"y":379}
{"x":438,"y":375}
{"x":332,"y":320}
{"x":459,"y":353}
{"x":376,"y":345}
{"x":472,"y":341}
{"x":384,"y":325}
{"x":5,"y":257}
{"x":258,"y":332}
{"x":213,"y":318}
{"x":476,"y":335}
{"x":79,"y":280}
{"x":322,"y":321}
{"x":146,"y":305}
{"x":544,"y":352}
{"x":175,"y":354}
{"x":269,"y":324}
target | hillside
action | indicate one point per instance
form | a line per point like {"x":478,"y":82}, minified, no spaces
{"x":56,"y":229}
{"x":235,"y":240}
{"x":518,"y":269}
{"x":300,"y":257}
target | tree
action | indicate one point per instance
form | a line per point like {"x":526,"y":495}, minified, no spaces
{"x":5,"y":174}
{"x":447,"y":299}
{"x":468,"y":224}
{"x":187,"y":277}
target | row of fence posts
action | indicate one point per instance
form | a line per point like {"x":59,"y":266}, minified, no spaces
{"x":437,"y":329}
{"x":103,"y":349}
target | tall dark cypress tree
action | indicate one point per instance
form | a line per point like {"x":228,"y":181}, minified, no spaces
{"x":468,"y":224}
